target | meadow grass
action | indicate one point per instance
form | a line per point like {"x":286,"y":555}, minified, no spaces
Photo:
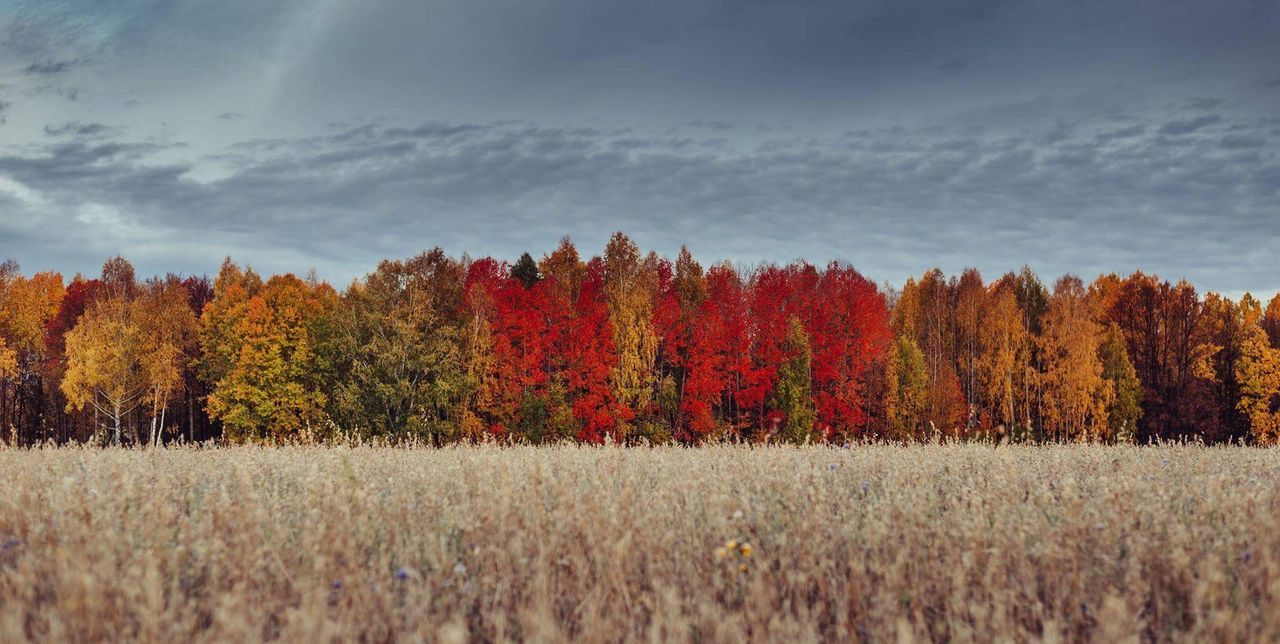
{"x":873,"y":543}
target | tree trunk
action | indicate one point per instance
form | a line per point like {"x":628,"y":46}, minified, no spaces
{"x":155,"y":403}
{"x":116,"y":419}
{"x":164,"y":407}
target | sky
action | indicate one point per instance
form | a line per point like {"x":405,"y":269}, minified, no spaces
{"x":1082,"y":136}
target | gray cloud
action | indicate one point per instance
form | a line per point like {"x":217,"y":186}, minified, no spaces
{"x":1187,"y":126}
{"x":891,"y":200}
{"x":51,"y":67}
{"x":78,"y":129}
{"x":1079,"y":136}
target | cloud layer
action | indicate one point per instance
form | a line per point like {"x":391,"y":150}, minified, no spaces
{"x":1078,"y":137}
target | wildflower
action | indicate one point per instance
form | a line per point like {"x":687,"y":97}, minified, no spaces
{"x":742,"y":568}
{"x":731,"y":545}
{"x":721,"y":553}
{"x":405,"y":572}
{"x":745,"y":549}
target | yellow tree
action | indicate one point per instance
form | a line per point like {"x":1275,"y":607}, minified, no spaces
{"x":8,"y":357}
{"x":1258,"y":374}
{"x":629,"y":287}
{"x":906,"y":309}
{"x":105,"y":369}
{"x":169,"y":329}
{"x":26,"y":306}
{"x":1271,"y":321}
{"x":925,"y":313}
{"x":1075,"y":394}
{"x":479,"y":362}
{"x":1002,"y":356}
{"x":565,"y":268}
{"x":219,"y":335}
{"x":271,"y":392}
{"x":8,"y":360}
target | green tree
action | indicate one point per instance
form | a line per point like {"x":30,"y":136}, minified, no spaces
{"x":906,"y":388}
{"x":399,"y":354}
{"x":526,"y":270}
{"x":1125,"y":407}
{"x":793,"y":395}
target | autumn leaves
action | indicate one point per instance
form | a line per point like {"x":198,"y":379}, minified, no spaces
{"x":630,"y":346}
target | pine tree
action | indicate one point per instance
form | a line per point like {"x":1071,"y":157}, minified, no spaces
{"x":526,"y":271}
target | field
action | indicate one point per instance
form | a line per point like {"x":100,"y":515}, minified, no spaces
{"x":874,"y":543}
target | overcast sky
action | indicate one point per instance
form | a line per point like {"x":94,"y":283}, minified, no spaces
{"x":1080,"y":136}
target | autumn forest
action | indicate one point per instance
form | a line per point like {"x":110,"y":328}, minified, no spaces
{"x":629,"y":347}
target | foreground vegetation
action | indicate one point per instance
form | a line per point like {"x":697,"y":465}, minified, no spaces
{"x":873,"y":543}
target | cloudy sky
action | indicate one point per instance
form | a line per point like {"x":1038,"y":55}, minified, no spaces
{"x":1079,"y":136}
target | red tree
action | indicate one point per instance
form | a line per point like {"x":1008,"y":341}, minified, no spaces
{"x":590,"y":357}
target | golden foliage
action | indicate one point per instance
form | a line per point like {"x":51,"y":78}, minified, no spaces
{"x":1075,"y":394}
{"x":1258,"y":372}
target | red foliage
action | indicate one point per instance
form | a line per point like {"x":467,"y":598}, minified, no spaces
{"x":848,"y":326}
{"x":590,"y":357}
{"x":80,"y":293}
{"x":518,"y":323}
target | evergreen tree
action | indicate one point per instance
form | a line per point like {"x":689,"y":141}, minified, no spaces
{"x":526,"y":270}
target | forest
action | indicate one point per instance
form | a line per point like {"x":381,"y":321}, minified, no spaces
{"x":629,"y":347}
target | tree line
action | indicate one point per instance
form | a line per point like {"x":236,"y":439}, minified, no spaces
{"x":629,"y":347}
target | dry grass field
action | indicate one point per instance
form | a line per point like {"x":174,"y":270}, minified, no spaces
{"x":881,"y":543}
